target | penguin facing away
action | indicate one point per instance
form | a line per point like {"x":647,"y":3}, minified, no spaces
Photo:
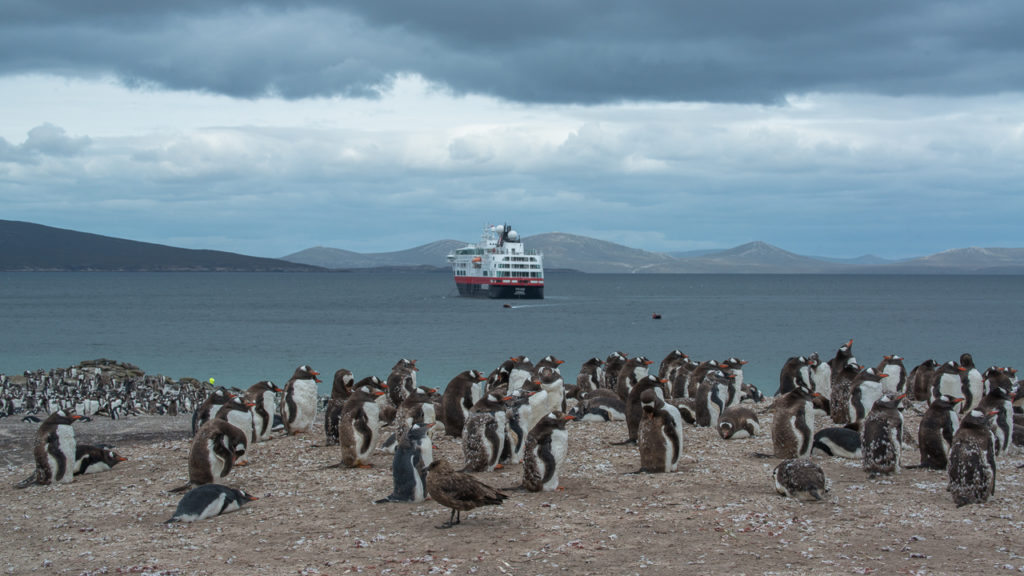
{"x":209,"y":500}
{"x":54,"y":450}
{"x":546,"y":447}
{"x":972,"y":461}
{"x":796,"y":476}
{"x":457,"y":400}
{"x":413,"y":456}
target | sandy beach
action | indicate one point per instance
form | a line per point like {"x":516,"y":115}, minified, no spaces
{"x":718,"y":515}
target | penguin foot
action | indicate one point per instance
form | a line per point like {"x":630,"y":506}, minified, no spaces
{"x":499,"y":466}
{"x":364,"y":466}
{"x":242,"y":463}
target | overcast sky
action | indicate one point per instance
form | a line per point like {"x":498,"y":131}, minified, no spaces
{"x":824,"y":128}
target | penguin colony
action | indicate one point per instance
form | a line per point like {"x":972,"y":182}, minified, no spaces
{"x":481,"y":410}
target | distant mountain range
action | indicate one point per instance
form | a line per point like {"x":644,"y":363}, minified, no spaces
{"x":33,"y":247}
{"x":583,"y":254}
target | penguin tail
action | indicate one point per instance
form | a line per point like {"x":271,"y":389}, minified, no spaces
{"x":338,"y":465}
{"x":763,"y":455}
{"x":180,"y":489}
{"x":624,"y":442}
{"x":814,"y":492}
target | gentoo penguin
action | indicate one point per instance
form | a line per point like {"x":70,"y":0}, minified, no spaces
{"x":838,"y":442}
{"x":670,"y":363}
{"x":298,"y":408}
{"x":54,"y":450}
{"x":881,"y":437}
{"x":974,"y":387}
{"x":796,"y":476}
{"x":483,"y":437}
{"x":793,"y":424}
{"x":599,"y":408}
{"x":413,"y":455}
{"x":215,"y":448}
{"x":550,"y":397}
{"x":751,"y":393}
{"x":950,"y":379}
{"x":972,"y":461}
{"x":612,"y":365}
{"x":734,"y":366}
{"x":714,"y":394}
{"x":865,"y":389}
{"x":999,"y":404}
{"x":341,"y":389}
{"x":209,"y":407}
{"x":549,"y":362}
{"x":681,"y":374}
{"x":238,"y":412}
{"x":92,"y":459}
{"x":546,"y":447}
{"x":401,"y":381}
{"x":591,"y":375}
{"x":521,"y":373}
{"x":895,"y":380}
{"x":518,"y":413}
{"x":498,"y":378}
{"x":359,"y":427}
{"x":417,"y":408}
{"x":263,"y":395}
{"x":459,"y":396}
{"x":209,"y":500}
{"x":459,"y":491}
{"x":631,"y":372}
{"x":697,"y":375}
{"x":821,"y":376}
{"x":634,"y":407}
{"x":660,"y":435}
{"x":919,"y":381}
{"x":795,"y":372}
{"x":935,"y":434}
{"x":738,"y":422}
{"x":842,"y":385}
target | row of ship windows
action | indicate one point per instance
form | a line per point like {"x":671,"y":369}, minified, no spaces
{"x":503,"y":274}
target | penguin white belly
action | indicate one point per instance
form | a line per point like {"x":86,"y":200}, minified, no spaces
{"x":216,"y":462}
{"x":739,"y":434}
{"x":372,"y":412}
{"x":892,"y":379}
{"x":977,"y":387}
{"x":950,"y":384}
{"x":822,"y":378}
{"x":559,"y":448}
{"x":304,"y":395}
{"x":809,"y":423}
{"x":68,"y":447}
{"x":897,"y":446}
{"x":516,"y":379}
{"x":538,"y":404}
{"x":270,"y":406}
{"x":212,"y":509}
{"x":243,"y":421}
{"x":677,"y":418}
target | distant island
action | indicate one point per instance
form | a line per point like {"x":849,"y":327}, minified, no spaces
{"x":25,"y":246}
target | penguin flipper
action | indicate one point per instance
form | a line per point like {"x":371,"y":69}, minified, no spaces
{"x":814,"y":492}
{"x":30,"y":481}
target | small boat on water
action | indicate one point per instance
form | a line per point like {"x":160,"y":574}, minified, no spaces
{"x":498,"y":266}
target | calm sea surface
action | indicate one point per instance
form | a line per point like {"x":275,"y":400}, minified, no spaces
{"x":242,"y":328}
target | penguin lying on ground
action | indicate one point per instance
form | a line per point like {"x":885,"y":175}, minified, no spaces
{"x":838,"y":442}
{"x":209,"y":500}
{"x":738,"y":422}
{"x":797,"y":476}
{"x":92,"y":459}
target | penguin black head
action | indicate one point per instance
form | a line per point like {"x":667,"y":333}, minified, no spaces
{"x":945,"y":402}
{"x":888,"y":402}
{"x":977,"y":419}
{"x":304,"y":372}
{"x":63,"y":417}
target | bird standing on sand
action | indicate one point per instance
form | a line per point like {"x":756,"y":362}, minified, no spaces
{"x":459,"y":491}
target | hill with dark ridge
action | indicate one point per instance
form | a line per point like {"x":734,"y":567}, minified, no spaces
{"x":25,"y":246}
{"x":432,"y":254}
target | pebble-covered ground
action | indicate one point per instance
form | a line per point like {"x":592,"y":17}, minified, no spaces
{"x":718,"y":515}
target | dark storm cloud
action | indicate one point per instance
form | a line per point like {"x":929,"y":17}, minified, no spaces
{"x":530,"y":51}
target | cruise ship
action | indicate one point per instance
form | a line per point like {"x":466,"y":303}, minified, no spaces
{"x":498,"y":266}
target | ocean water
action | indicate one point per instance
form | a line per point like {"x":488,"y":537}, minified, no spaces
{"x":245,"y":327}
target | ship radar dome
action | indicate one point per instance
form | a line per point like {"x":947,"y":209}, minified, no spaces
{"x":513,"y":236}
